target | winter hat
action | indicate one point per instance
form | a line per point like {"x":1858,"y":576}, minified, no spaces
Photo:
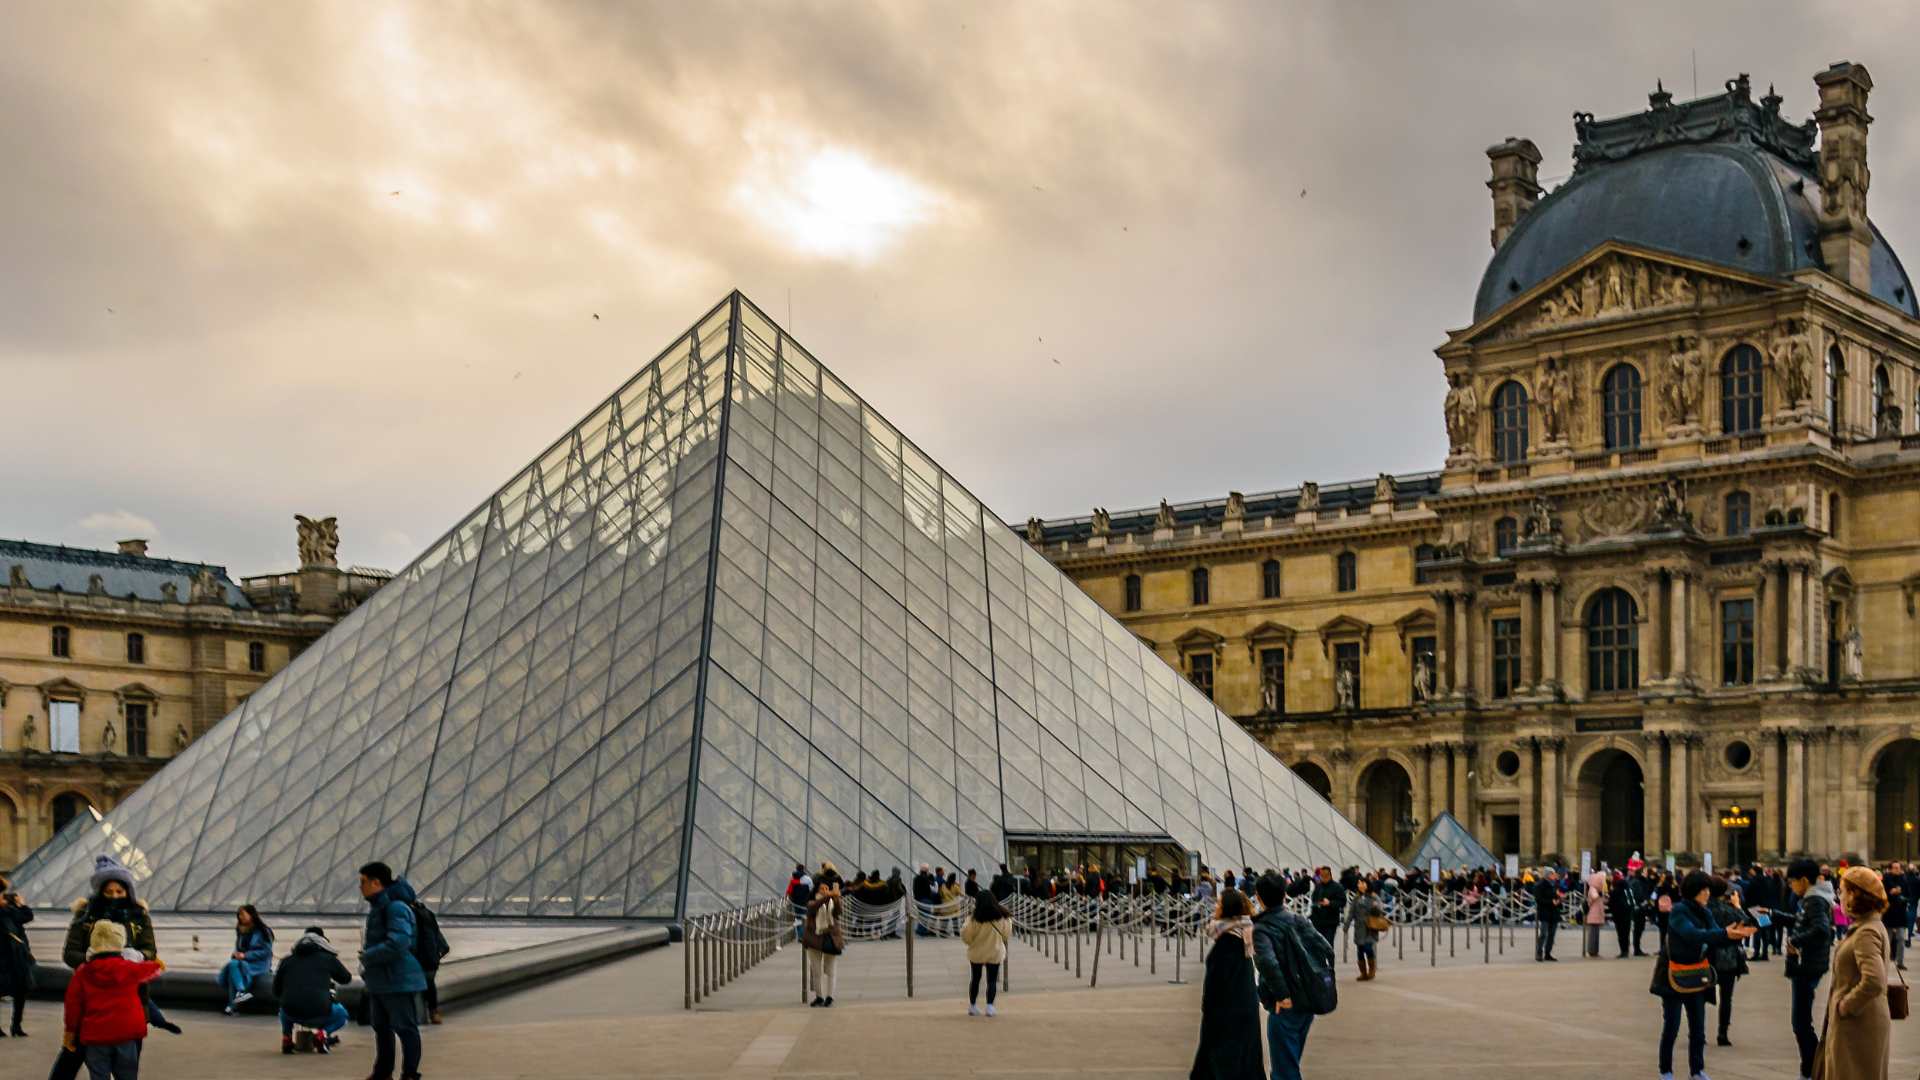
{"x":108,"y":937}
{"x":107,"y":868}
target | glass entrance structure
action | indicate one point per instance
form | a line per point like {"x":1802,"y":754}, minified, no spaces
{"x":731,"y":621}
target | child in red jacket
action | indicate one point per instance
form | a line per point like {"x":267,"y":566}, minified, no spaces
{"x":105,"y":1020}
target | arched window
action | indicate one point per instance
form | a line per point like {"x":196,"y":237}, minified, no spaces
{"x":1882,"y":400}
{"x":1201,"y":583}
{"x":1613,"y":642}
{"x":1620,"y":407}
{"x":1346,"y":572}
{"x":1742,"y":390}
{"x":1739,"y":507}
{"x":66,"y":807}
{"x":1270,"y":578}
{"x":1510,"y":423}
{"x":1506,"y":535}
{"x":1836,"y":373}
{"x":1133,"y":594}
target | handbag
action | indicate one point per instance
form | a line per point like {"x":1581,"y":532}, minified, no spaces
{"x":1897,"y":1004}
{"x":1694,"y":978}
{"x":1378,"y":924}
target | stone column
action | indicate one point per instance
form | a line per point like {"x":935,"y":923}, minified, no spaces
{"x":1444,"y":659}
{"x":1796,"y":619}
{"x":1426,"y":804}
{"x":1550,"y":793}
{"x":1796,"y":791}
{"x":1655,"y":788}
{"x":1651,"y":668}
{"x":1679,"y":658}
{"x":1462,"y":753}
{"x":1529,"y":655}
{"x":1680,"y":793}
{"x":1550,"y":634}
{"x":1345,"y":793}
{"x":1462,"y":642}
{"x":1762,"y":627}
{"x":1769,"y":827}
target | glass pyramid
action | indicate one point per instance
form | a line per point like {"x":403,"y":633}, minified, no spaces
{"x":731,"y":621}
{"x":1446,"y":839}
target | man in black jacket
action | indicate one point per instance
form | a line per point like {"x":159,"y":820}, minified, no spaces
{"x":1809,"y":950}
{"x":1279,"y":980}
{"x":1640,"y":891}
{"x":1329,"y":904}
{"x":1546,"y":915}
{"x":303,"y":985}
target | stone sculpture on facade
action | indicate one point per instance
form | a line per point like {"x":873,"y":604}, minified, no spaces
{"x":169,"y":592}
{"x":1422,"y":678}
{"x":1542,"y":523}
{"x":17,"y":577}
{"x":1462,"y":410}
{"x":108,"y":737}
{"x":96,"y":585}
{"x":1309,"y":498}
{"x":1670,"y":505}
{"x":1163,"y":519}
{"x":1385,"y":489}
{"x":1270,"y":693}
{"x":207,"y":588}
{"x":27,"y":733}
{"x":1682,"y":381}
{"x":1036,"y":530}
{"x":1102,"y":521}
{"x":1554,"y":397}
{"x":1792,"y":357}
{"x":1236,"y":508}
{"x":180,"y":738}
{"x":1343,"y":691}
{"x":1855,"y":655}
{"x":319,"y":540}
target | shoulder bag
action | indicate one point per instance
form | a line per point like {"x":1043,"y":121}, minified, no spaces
{"x":1378,"y":923}
{"x":1694,"y":978}
{"x":1897,"y":1004}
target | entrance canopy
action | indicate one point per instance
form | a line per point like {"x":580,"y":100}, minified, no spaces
{"x":1446,"y":839}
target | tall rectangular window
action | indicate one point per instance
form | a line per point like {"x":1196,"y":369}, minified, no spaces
{"x":1270,"y":579}
{"x":257,"y":650}
{"x":1200,"y":672}
{"x":62,"y":641}
{"x":136,"y":729}
{"x":1346,"y":572}
{"x":1346,"y":660}
{"x":1202,"y":585}
{"x":1506,"y":657}
{"x":1273,"y":680}
{"x":63,"y":726}
{"x":136,"y":648}
{"x":1736,"y":642}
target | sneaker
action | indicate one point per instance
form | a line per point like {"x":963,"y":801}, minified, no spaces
{"x":325,"y":1045}
{"x":332,"y":1041}
{"x":242,"y":998}
{"x":973,"y":1010}
{"x":1666,"y":1076}
{"x":816,"y":1002}
{"x":1699,"y":1076}
{"x":228,"y":1010}
{"x":990,"y":1011}
{"x":286,"y":1044}
{"x":827,"y":1004}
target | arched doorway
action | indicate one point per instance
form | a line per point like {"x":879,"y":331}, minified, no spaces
{"x":10,"y":818}
{"x":1386,"y":793}
{"x":1613,"y":807}
{"x":67,"y":806}
{"x":1316,"y":778}
{"x":1896,"y":801}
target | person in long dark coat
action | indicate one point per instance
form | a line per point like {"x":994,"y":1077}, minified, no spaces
{"x":16,"y":958}
{"x":1230,"y":1020}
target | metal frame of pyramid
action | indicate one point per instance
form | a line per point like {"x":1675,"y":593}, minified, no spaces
{"x":1448,"y":839}
{"x":731,"y":621}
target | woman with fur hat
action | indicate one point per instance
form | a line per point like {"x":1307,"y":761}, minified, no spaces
{"x":112,"y":900}
{"x":105,"y":1021}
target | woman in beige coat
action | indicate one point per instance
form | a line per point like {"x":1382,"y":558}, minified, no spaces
{"x":986,"y":934}
{"x":1858,"y":1025}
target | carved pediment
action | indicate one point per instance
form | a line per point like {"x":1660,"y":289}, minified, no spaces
{"x":1613,"y":281}
{"x":1344,"y":626}
{"x":1414,"y":623}
{"x":1266,"y":636}
{"x":1200,"y":639}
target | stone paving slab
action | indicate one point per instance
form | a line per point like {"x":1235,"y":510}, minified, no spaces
{"x":1509,"y":1020}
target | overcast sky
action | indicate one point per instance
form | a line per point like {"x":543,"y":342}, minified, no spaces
{"x":344,"y":258}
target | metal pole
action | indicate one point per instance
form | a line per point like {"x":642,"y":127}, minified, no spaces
{"x":686,"y":943}
{"x":1433,"y":940}
{"x":1079,"y":934}
{"x":911,"y":915}
{"x":1098,"y":929}
{"x":1486,"y":952}
{"x":1400,"y":939}
{"x":1453,"y":946}
{"x":1153,"y":952}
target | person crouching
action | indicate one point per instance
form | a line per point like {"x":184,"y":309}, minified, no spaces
{"x":105,"y":1020}
{"x":303,"y":984}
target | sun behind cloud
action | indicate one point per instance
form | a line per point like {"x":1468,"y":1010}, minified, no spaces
{"x":830,"y":202}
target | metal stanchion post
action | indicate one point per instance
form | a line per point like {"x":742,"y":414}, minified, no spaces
{"x":1098,"y":929}
{"x":1079,"y":933}
{"x":1433,"y":940}
{"x":1486,"y":951}
{"x":912,"y":929}
{"x":1453,"y":946}
{"x":686,"y":944}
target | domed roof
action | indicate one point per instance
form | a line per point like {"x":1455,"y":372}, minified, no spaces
{"x":1719,"y":179}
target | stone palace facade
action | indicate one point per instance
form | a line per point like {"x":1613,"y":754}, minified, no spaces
{"x":1661,"y":596}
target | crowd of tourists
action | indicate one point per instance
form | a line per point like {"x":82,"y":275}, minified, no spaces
{"x":114,"y":956}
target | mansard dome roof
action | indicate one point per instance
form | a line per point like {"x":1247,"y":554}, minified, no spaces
{"x":1719,"y":179}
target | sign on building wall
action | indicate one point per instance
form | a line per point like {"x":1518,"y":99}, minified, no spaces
{"x":1606,"y":723}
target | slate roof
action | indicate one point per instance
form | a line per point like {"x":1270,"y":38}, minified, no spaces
{"x":1356,"y":495}
{"x":1719,"y":179}
{"x":50,"y":566}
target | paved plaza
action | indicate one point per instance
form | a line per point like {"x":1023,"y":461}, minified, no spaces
{"x":1508,"y":1018}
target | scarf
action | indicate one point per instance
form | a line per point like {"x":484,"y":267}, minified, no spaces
{"x":1241,"y":927}
{"x":823,"y":919}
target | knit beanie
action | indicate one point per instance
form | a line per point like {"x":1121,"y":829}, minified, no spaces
{"x":107,"y":868}
{"x":108,"y":937}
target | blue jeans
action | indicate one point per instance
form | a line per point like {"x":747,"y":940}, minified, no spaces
{"x":1803,"y":1030}
{"x":1695,"y":1006}
{"x":113,"y":1061}
{"x":233,"y":979}
{"x":395,"y":1015}
{"x":1287,"y":1041}
{"x":335,"y":1021}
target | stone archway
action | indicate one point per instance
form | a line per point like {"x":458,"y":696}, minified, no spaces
{"x":1610,"y":790}
{"x":13,"y":834}
{"x":64,"y":807}
{"x":1896,"y":801}
{"x":1386,"y":804}
{"x":1315,"y":778}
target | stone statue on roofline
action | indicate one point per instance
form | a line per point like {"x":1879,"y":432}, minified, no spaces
{"x":319,"y":540}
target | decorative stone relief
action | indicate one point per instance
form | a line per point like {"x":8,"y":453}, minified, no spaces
{"x":1036,"y":530}
{"x":1542,"y":524}
{"x":1615,"y":514}
{"x":319,"y":540}
{"x":1792,"y":356}
{"x":1163,"y":519}
{"x":1309,"y":498}
{"x":1554,"y":397}
{"x":1670,"y":505}
{"x":1682,"y":381}
{"x":207,"y":589}
{"x":1102,"y":521}
{"x":1236,"y":508}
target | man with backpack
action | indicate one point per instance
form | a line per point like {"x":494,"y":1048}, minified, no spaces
{"x":1295,"y":967}
{"x":429,"y":947}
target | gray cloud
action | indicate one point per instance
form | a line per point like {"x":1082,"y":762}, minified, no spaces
{"x":286,"y":335}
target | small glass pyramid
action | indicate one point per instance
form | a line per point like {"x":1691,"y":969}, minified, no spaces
{"x":1446,"y":839}
{"x":732,"y":621}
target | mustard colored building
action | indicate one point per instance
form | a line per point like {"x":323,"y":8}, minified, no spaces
{"x":1660,"y":596}
{"x":112,"y":662}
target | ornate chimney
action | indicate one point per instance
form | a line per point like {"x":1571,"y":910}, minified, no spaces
{"x":133,"y":547}
{"x":1846,"y":242}
{"x":1515,"y":184}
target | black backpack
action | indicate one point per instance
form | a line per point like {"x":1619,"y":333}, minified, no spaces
{"x":1311,"y":958}
{"x":429,"y":945}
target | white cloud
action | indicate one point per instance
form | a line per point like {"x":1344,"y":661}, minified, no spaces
{"x":118,"y":525}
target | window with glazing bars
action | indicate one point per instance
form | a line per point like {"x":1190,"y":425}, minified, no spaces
{"x":1200,"y":672}
{"x":1736,"y":642}
{"x":1742,"y":390}
{"x":1506,"y":657}
{"x":1613,"y":642}
{"x":1620,"y":407}
{"x":1510,"y":423}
